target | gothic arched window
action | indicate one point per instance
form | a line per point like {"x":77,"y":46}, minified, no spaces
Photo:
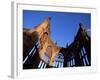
{"x":44,"y":61}
{"x":59,"y":60}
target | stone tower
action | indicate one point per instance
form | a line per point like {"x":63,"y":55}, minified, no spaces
{"x":43,"y":34}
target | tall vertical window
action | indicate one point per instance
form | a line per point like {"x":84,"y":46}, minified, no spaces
{"x":84,"y":57}
{"x":71,"y":61}
{"x":44,"y":61}
{"x":59,"y":60}
{"x":30,"y":55}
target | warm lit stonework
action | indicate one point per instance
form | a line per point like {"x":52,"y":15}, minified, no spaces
{"x":37,"y":43}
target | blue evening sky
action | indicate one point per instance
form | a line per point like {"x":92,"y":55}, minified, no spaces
{"x":63,"y":25}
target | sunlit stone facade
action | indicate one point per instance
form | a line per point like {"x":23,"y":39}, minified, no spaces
{"x":39,"y":51}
